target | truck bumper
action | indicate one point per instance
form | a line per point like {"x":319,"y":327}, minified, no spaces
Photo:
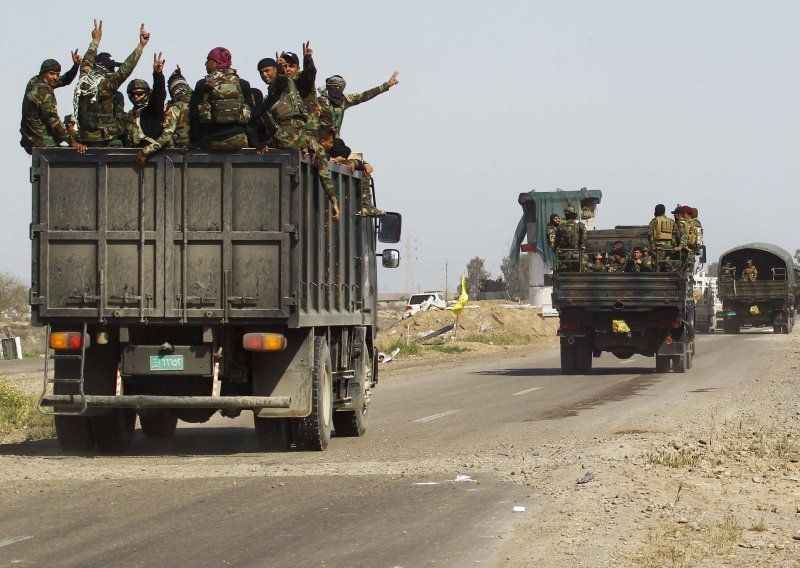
{"x":142,"y":402}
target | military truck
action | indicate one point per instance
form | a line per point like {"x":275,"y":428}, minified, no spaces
{"x":770,"y":300}
{"x":203,"y":283}
{"x":625,"y":313}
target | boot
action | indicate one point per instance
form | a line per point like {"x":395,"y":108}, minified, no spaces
{"x":368,"y":210}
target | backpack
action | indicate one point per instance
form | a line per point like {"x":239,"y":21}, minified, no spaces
{"x":224,"y":103}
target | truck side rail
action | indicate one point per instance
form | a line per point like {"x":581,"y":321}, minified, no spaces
{"x":618,"y":290}
{"x":741,"y":290}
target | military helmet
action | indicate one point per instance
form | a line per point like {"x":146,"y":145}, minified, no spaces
{"x":138,"y":85}
{"x":336,"y":81}
{"x":569,"y":210}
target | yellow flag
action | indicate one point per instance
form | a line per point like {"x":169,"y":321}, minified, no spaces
{"x":462,"y":299}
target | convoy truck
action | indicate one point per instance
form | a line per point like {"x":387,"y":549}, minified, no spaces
{"x":203,"y":283}
{"x":770,"y":300}
{"x":624,"y":313}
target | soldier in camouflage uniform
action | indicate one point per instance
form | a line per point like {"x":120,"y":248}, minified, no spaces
{"x":598,"y":263}
{"x":728,"y":271}
{"x":41,"y":124}
{"x":680,"y":238}
{"x":750,"y":272}
{"x":333,"y":102}
{"x":219,"y":112}
{"x":283,"y":117}
{"x":570,"y":241}
{"x":638,"y":262}
{"x":143,"y":122}
{"x":619,"y":261}
{"x":318,"y":152}
{"x":304,"y":81}
{"x":175,"y":128}
{"x":98,"y":110}
{"x":660,"y":236}
{"x":695,"y":239}
{"x":71,"y":125}
{"x":552,"y":226}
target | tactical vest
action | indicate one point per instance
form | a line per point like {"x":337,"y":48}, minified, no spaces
{"x":224,"y":103}
{"x":567,"y":234}
{"x":695,"y":234}
{"x":96,"y":116}
{"x":663,"y":229}
{"x":289,"y":105}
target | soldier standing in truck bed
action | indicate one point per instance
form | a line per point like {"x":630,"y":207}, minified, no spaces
{"x":143,"y":122}
{"x":304,"y":80}
{"x":98,"y":109}
{"x":41,"y":124}
{"x":175,"y":127}
{"x":750,"y":272}
{"x":283,"y":116}
{"x":570,"y":241}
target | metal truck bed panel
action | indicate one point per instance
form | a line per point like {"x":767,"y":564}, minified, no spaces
{"x":746,"y":291}
{"x":196,"y":237}
{"x":620,"y":290}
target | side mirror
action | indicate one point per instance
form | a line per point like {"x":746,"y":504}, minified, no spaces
{"x":389,"y":228}
{"x":702,"y":254}
{"x":391,"y":258}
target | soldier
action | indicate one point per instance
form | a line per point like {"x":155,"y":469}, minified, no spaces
{"x":552,"y":227}
{"x":750,"y":272}
{"x":283,"y":117}
{"x":728,"y":271}
{"x":660,"y":230}
{"x":218,"y":110}
{"x":368,"y":208}
{"x":98,"y":109}
{"x":619,"y":261}
{"x":570,"y":241}
{"x":695,"y":239}
{"x":304,"y":81}
{"x":638,"y":262}
{"x":318,"y":150}
{"x":333,"y":102}
{"x":71,"y":125}
{"x":680,"y":238}
{"x":143,"y":123}
{"x":175,"y":127}
{"x":41,"y":125}
{"x":597,"y":265}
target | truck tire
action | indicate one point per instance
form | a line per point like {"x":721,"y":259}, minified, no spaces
{"x":158,"y":424}
{"x":662,"y":363}
{"x":569,"y":357}
{"x":583,"y":356}
{"x":679,"y":363}
{"x":114,"y":432}
{"x":273,"y":434}
{"x":353,"y":423}
{"x":314,"y":431}
{"x":731,"y":326}
{"x":689,"y":359}
{"x":74,"y":434}
{"x":777,"y":328}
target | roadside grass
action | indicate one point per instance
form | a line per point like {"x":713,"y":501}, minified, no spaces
{"x":413,"y":348}
{"x":784,"y":447}
{"x":448,"y":348}
{"x":18,"y":411}
{"x":500,"y":338}
{"x":726,"y":532}
{"x":670,"y":548}
{"x":674,"y":459}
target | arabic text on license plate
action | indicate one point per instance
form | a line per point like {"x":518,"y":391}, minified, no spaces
{"x":166,"y":362}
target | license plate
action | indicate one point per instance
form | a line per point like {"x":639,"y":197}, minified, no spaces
{"x":166,"y":362}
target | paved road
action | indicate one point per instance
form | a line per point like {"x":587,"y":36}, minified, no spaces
{"x":210,"y":498}
{"x":15,"y":366}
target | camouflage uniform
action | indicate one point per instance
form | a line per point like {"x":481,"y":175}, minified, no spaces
{"x":174,"y":129}
{"x":218,"y":112}
{"x":333,"y":115}
{"x":551,"y":235}
{"x":570,"y":238}
{"x":319,"y":160}
{"x":727,"y":272}
{"x":284,"y":114}
{"x":98,"y":109}
{"x":143,"y":123}
{"x":367,"y":207}
{"x":307,"y":91}
{"x":750,"y":273}
{"x":660,"y":232}
{"x":41,"y":124}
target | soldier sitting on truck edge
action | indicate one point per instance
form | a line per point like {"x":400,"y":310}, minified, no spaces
{"x":41,"y":124}
{"x":318,"y":152}
{"x":219,"y":112}
{"x":619,"y":261}
{"x":594,"y":263}
{"x":728,"y":271}
{"x":638,"y":261}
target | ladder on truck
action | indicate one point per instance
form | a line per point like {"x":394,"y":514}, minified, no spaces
{"x":72,"y":409}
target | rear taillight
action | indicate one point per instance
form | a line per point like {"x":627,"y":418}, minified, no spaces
{"x":571,"y":325}
{"x":66,"y":340}
{"x":264,"y":342}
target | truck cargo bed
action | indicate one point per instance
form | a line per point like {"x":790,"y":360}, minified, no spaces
{"x":600,"y":291}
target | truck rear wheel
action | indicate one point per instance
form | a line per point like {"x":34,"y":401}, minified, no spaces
{"x":679,"y":363}
{"x":114,"y":432}
{"x":662,"y":363}
{"x":353,"y":423}
{"x":158,"y":423}
{"x":74,"y":433}
{"x":274,"y":434}
{"x":583,"y":356}
{"x":569,"y":357}
{"x":314,"y":431}
{"x":731,"y":326}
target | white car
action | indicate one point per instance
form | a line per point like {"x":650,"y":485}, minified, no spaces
{"x":424,"y":301}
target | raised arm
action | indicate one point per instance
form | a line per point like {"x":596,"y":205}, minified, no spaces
{"x":358,"y":98}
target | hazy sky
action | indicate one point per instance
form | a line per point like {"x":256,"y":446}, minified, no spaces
{"x":690,"y":102}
